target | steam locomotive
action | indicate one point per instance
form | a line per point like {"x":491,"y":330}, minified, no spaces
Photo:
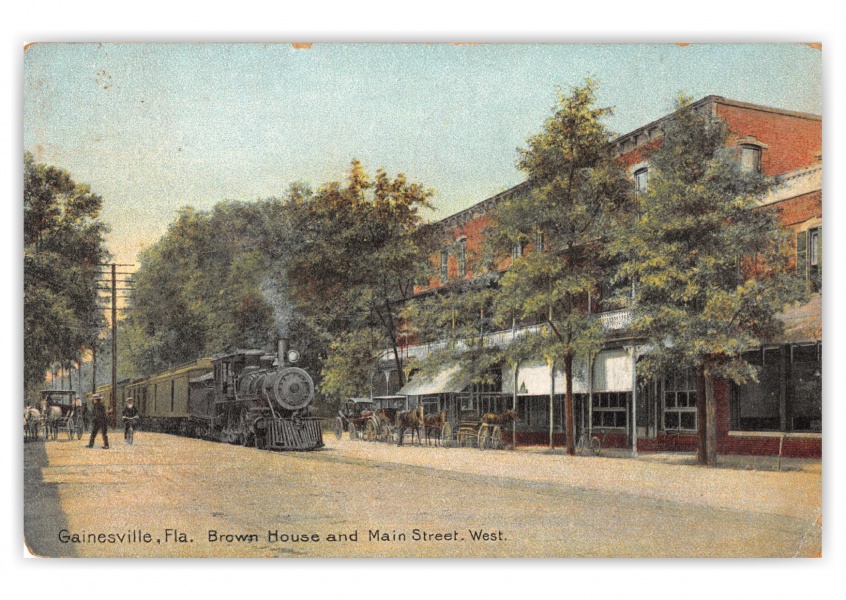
{"x":248,"y":397}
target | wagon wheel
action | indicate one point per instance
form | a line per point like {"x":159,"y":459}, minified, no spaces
{"x":463,"y":437}
{"x":71,"y":428}
{"x":484,"y":438}
{"x":80,"y":424}
{"x":496,"y":438}
{"x":595,"y":446}
{"x":445,"y":435}
{"x":353,"y":432}
{"x":370,"y":432}
{"x":338,"y":428}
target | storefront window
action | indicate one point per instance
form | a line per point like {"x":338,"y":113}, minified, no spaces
{"x":610,"y":409}
{"x":758,"y":403}
{"x":680,"y":400}
{"x":806,"y":389}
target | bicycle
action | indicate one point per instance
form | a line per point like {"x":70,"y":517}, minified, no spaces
{"x":131,"y":423}
{"x":588,"y":444}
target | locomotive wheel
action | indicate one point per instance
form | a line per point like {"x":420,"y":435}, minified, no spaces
{"x":370,"y":432}
{"x":353,"y":432}
{"x":445,"y":435}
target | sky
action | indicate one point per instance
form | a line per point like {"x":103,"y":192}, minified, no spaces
{"x":155,"y":127}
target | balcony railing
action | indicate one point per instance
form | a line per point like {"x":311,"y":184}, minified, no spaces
{"x":616,"y":320}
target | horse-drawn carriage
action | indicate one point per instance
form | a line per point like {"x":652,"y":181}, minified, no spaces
{"x":365,"y":419}
{"x":486,"y":431}
{"x":389,"y":417}
{"x":61,"y":410}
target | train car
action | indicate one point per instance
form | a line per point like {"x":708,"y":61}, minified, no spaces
{"x":163,"y":399}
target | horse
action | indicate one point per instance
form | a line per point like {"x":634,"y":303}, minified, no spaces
{"x":32,"y":419}
{"x":503,"y":418}
{"x":413,"y":420}
{"x":50,"y":416}
{"x":434,"y":422}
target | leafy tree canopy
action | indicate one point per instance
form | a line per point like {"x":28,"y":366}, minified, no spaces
{"x":712,"y":268}
{"x":63,"y":246}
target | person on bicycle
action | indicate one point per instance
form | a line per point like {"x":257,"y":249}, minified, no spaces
{"x":130,"y":416}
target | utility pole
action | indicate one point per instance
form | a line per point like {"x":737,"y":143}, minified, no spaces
{"x":112,"y":392}
{"x":112,"y":283}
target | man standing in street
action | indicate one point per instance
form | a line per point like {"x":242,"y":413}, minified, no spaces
{"x":100,"y":422}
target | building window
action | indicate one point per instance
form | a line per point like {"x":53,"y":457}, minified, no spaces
{"x":540,"y":242}
{"x":516,"y":250}
{"x":610,"y":409}
{"x":809,"y":257}
{"x":641,"y":179}
{"x":758,"y":404}
{"x":750,"y":158}
{"x":444,"y":264}
{"x":805,"y":388}
{"x":680,"y":400}
{"x":792,"y":371}
{"x":462,"y":258}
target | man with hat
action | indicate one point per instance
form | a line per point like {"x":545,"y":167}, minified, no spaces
{"x":100,"y":422}
{"x":130,"y":415}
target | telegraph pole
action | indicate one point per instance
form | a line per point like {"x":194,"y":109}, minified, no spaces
{"x":112,"y":283}
{"x":112,"y":394}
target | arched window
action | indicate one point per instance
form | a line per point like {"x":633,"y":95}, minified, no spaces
{"x":462,"y":258}
{"x":641,"y":179}
{"x":444,"y":265}
{"x":750,"y":158}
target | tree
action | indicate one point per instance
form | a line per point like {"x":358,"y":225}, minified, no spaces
{"x":577,"y":194}
{"x":63,"y":246}
{"x":217,"y":281}
{"x":711,"y":268}
{"x":364,"y":246}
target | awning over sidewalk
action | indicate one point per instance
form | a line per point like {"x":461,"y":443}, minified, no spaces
{"x":451,"y":379}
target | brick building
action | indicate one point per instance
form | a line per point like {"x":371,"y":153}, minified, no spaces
{"x":780,"y":414}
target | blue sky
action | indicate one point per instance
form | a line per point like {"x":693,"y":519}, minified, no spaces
{"x":154,"y":127}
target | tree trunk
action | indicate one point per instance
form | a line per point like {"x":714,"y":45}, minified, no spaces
{"x":568,"y":404}
{"x":701,"y":419}
{"x":711,"y":422}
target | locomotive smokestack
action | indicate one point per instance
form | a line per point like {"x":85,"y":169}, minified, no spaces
{"x":282,"y":351}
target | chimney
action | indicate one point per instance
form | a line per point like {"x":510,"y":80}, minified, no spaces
{"x":282,"y":351}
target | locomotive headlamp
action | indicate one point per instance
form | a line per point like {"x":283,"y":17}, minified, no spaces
{"x":293,"y":356}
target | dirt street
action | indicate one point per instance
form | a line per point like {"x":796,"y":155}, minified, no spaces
{"x":175,"y":497}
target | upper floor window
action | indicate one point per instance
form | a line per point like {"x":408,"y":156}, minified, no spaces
{"x":516,"y":250}
{"x":809,"y":256}
{"x":750,"y":158}
{"x":540,"y":242}
{"x":462,"y":258}
{"x":444,"y":264}
{"x":641,"y":179}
